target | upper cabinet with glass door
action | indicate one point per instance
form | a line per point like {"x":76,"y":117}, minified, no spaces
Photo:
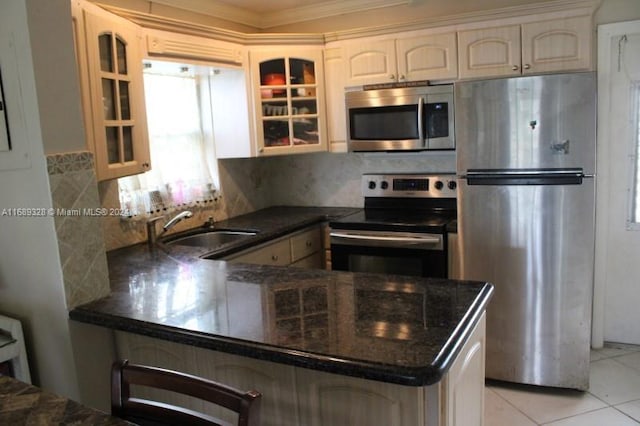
{"x":289,"y":101}
{"x":113,"y":93}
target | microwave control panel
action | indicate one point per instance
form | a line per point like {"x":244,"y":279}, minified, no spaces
{"x":419,"y":186}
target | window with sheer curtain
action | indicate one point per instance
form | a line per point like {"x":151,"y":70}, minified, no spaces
{"x":181,"y":174}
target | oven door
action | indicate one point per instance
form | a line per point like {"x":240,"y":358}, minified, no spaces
{"x":402,"y":253}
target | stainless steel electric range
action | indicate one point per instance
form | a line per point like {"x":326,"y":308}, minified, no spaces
{"x":402,"y":229}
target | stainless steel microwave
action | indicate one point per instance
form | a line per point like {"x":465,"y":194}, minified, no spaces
{"x":401,"y":119}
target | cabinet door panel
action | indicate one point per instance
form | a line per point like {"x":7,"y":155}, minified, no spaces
{"x":290,"y":101}
{"x":306,"y":243}
{"x":427,"y":58}
{"x":327,"y":399}
{"x":117,"y":115}
{"x":371,"y":62}
{"x":334,"y":88}
{"x":277,"y":253}
{"x":489,"y":52}
{"x":557,"y":45}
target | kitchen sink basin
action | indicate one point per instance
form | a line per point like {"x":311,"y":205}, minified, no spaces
{"x":210,"y":239}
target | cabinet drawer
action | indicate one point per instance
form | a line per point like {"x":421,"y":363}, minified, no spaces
{"x":310,"y":262}
{"x":305,"y":243}
{"x":272,"y":254}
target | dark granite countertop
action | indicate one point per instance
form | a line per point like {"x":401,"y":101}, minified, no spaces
{"x":24,"y":404}
{"x":396,"y":329}
{"x":269,"y":223}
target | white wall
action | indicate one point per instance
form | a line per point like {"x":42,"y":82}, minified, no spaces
{"x":31,"y":286}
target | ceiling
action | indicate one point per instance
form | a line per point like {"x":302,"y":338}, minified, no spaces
{"x":264,"y":14}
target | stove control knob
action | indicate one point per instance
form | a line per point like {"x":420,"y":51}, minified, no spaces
{"x":438,"y":185}
{"x":384,"y":184}
{"x":452,"y":185}
{"x":372,"y":185}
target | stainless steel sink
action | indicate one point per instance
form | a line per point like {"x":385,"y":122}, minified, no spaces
{"x":209,"y":239}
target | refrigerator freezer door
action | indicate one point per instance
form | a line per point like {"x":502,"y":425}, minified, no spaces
{"x":540,"y":122}
{"x":535,"y":244}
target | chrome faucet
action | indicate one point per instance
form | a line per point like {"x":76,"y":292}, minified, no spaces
{"x":152,"y":235}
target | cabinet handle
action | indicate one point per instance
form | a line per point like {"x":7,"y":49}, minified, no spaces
{"x":145,"y":165}
{"x":401,"y":78}
{"x":309,"y":243}
{"x":274,"y":257}
{"x":515,"y":68}
{"x":527,"y":66}
{"x":392,"y":77}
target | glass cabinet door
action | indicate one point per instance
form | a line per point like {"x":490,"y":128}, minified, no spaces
{"x":118,"y":116}
{"x":289,"y":102}
{"x":115,"y":97}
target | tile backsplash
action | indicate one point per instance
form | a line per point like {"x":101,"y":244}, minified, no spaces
{"x":246,"y":185}
{"x":74,"y":193}
{"x":250,"y":184}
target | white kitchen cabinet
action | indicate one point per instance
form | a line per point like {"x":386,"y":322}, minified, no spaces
{"x":295,"y":396}
{"x":288,"y":97}
{"x":274,"y":381}
{"x":427,"y":57}
{"x":464,"y":383}
{"x":530,"y":48}
{"x":557,"y":45}
{"x":331,"y":399}
{"x":335,"y":82}
{"x":301,"y":249}
{"x":109,"y":55}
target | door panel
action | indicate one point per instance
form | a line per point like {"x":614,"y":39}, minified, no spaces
{"x":616,"y":313}
{"x":527,"y":122}
{"x":535,"y":244}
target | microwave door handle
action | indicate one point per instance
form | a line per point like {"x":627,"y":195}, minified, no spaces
{"x":419,"y":121}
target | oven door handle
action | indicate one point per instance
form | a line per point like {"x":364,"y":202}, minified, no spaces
{"x":388,"y":241}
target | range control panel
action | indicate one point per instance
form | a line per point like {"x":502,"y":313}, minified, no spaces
{"x":409,"y":185}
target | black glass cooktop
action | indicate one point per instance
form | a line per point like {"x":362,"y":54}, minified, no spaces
{"x":395,"y":220}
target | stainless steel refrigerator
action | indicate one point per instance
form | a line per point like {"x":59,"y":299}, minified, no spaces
{"x":526,"y":202}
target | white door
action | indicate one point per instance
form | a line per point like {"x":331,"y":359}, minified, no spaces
{"x":617,"y":271}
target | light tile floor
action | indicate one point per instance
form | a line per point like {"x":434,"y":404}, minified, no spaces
{"x":613,"y":398}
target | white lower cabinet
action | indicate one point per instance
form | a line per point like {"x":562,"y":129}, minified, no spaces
{"x":330,"y":399}
{"x":294,"y":396}
{"x":302,"y":249}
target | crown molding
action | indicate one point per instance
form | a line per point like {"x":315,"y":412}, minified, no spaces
{"x":570,"y":7}
{"x":325,"y":10}
{"x":162,"y":23}
{"x":216,"y":9}
{"x":529,"y":11}
{"x":292,"y":15}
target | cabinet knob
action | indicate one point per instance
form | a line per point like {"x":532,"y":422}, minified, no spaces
{"x":527,"y":66}
{"x":515,"y":68}
{"x":309,"y":243}
{"x":145,"y":165}
{"x":274,"y":257}
{"x":392,"y":77}
{"x":402,"y":78}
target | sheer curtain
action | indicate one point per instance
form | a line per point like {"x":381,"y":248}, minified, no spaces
{"x":180,"y":175}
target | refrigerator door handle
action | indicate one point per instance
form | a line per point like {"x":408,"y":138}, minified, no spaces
{"x":523,"y":177}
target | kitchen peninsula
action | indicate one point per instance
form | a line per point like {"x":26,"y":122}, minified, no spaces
{"x":323,"y":347}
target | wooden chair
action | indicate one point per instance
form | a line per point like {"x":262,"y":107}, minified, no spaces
{"x":147,"y":412}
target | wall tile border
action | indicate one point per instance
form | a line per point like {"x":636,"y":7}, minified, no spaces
{"x":69,"y":162}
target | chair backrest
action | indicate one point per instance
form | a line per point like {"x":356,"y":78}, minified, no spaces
{"x":144,"y":411}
